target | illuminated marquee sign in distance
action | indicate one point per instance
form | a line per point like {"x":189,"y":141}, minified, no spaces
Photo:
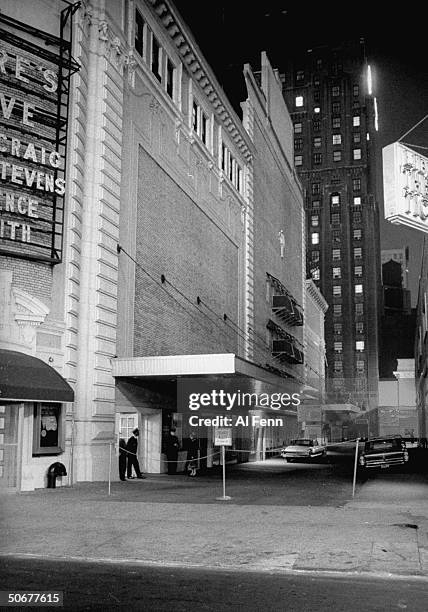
{"x":405,"y":186}
{"x":35,"y":69}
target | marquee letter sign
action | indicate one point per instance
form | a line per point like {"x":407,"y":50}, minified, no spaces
{"x":405,"y":186}
{"x":35,"y":68}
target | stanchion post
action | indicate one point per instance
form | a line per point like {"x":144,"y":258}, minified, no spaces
{"x":355,"y":466}
{"x":109,"y":471}
{"x":223,"y":458}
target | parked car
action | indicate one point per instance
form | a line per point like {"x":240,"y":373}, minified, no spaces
{"x":303,"y":449}
{"x":383,"y":453}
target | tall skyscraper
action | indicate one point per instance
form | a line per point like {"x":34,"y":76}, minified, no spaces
{"x":329,"y":92}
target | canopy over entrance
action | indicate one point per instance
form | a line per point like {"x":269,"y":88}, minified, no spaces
{"x":27,"y":378}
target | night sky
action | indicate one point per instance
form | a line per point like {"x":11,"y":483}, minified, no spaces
{"x":231,"y":33}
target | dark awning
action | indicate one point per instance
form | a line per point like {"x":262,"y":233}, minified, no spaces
{"x":26,"y":378}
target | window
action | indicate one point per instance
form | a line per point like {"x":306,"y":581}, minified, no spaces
{"x":359,"y":345}
{"x":315,"y":256}
{"x":315,"y":274}
{"x":315,"y":220}
{"x":337,"y":346}
{"x":316,"y":204}
{"x":336,"y":236}
{"x":356,"y":105}
{"x":317,"y":158}
{"x":317,"y":95}
{"x":358,"y":289}
{"x":356,"y":90}
{"x":139,"y":33}
{"x":156,"y":59}
{"x":356,"y":217}
{"x":298,"y":160}
{"x":337,"y":310}
{"x":317,"y":110}
{"x":359,"y":327}
{"x":297,"y":128}
{"x":336,"y":254}
{"x":200,"y":126}
{"x":170,"y":78}
{"x":299,"y":101}
{"x":317,"y":142}
{"x":357,"y":154}
{"x":337,"y":273}
{"x":358,"y":270}
{"x":47,"y":429}
{"x":356,"y":137}
{"x":356,"y":121}
{"x":360,"y":365}
{"x":224,"y":155}
{"x":335,"y":123}
{"x":356,"y":184}
{"x":338,"y":383}
{"x":358,"y":252}
{"x":316,"y":81}
{"x":335,"y":218}
{"x":337,"y":156}
{"x":335,"y":108}
{"x":359,"y":309}
{"x":335,"y":199}
{"x":298,"y":144}
{"x":337,"y":139}
{"x":337,"y":329}
{"x":316,"y":188}
{"x":357,"y":234}
{"x":337,"y":290}
{"x":335,"y":91}
{"x":127,"y":423}
{"x":315,"y":238}
{"x":337,"y":366}
{"x":357,"y":201}
{"x":316,"y":125}
{"x":300,"y":75}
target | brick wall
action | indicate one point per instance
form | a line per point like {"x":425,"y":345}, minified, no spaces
{"x":33,"y":277}
{"x":177,"y":239}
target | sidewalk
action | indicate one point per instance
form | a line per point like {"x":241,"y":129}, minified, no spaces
{"x":176,"y":520}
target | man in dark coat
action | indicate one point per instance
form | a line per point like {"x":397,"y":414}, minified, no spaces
{"x":172,"y":446}
{"x":192,"y":454}
{"x":122,"y":458}
{"x":131,"y":447}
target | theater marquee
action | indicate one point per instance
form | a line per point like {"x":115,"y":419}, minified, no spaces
{"x":35,"y":69}
{"x":405,"y":186}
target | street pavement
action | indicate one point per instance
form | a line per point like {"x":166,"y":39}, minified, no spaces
{"x":281,"y":518}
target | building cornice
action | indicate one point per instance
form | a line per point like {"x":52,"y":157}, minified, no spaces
{"x":201,"y":72}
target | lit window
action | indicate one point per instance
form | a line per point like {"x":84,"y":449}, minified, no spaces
{"x":317,"y":110}
{"x":317,"y":142}
{"x":356,"y":137}
{"x":335,"y":199}
{"x":315,"y":220}
{"x":315,"y":274}
{"x":335,"y":123}
{"x":359,"y":309}
{"x":337,"y":273}
{"x":297,"y":128}
{"x":317,"y":158}
{"x":357,"y":234}
{"x":315,"y":238}
{"x":357,"y":201}
{"x":336,"y":254}
{"x":337,"y":310}
{"x":367,"y":136}
{"x":356,"y":184}
{"x":337,"y":139}
{"x":299,"y":101}
{"x":139,"y":33}
{"x":358,"y":252}
{"x":298,"y":160}
{"x":335,"y":91}
{"x":358,"y":289}
{"x":359,"y":345}
{"x":337,"y":156}
{"x":357,"y":153}
{"x":337,"y":346}
{"x":356,"y":121}
{"x":358,"y":270}
{"x":337,"y":290}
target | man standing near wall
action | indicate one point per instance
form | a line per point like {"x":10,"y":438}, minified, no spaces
{"x":131,"y":447}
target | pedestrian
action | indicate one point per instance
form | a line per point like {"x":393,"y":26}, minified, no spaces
{"x":122,"y":458}
{"x":172,"y":446}
{"x":131,"y":447}
{"x":192,"y":454}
